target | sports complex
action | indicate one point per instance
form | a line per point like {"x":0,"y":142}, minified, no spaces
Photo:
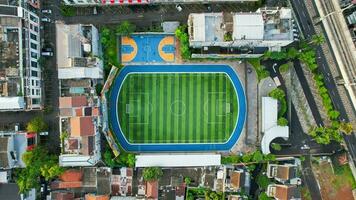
{"x":172,"y":108}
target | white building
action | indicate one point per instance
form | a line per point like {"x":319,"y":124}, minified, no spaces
{"x":266,"y":28}
{"x":20,"y":73}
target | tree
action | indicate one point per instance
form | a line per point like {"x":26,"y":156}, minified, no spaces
{"x":37,"y":125}
{"x":292,"y":53}
{"x":262,"y":181}
{"x":277,"y":94}
{"x":257,"y":156}
{"x":263,"y":196}
{"x":152,"y":173}
{"x":125,"y":28}
{"x":38,"y":163}
{"x":333,"y":114}
{"x":346,"y":127}
{"x":317,"y":40}
{"x":187,"y":181}
{"x":131,"y":160}
{"x":282,"y":121}
{"x":284,"y":68}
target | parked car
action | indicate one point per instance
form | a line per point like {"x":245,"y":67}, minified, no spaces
{"x":45,"y":19}
{"x":46,"y":53}
{"x":46,"y":11}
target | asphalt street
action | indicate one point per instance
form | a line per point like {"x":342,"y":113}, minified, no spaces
{"x":308,"y":30}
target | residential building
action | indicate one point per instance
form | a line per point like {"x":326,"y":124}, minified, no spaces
{"x":286,"y":173}
{"x":20,"y":73}
{"x":283,"y":192}
{"x":79,"y":71}
{"x":79,"y":126}
{"x":152,"y":190}
{"x":85,"y":183}
{"x":237,"y":180}
{"x":12,"y":146}
{"x":241,"y":33}
{"x":121,"y":182}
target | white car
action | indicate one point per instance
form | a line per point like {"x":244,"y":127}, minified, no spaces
{"x":46,"y":11}
{"x":46,"y":53}
{"x":45,"y":19}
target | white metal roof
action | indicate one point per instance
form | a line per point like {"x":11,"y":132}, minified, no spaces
{"x":70,"y":160}
{"x":12,"y":103}
{"x":248,"y":26}
{"x":199,"y":27}
{"x":178,"y":160}
{"x":270,"y":127}
{"x":269,"y":113}
{"x":80,"y":72}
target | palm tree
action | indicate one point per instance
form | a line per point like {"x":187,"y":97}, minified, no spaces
{"x":346,"y":127}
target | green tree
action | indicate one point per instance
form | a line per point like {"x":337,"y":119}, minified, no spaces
{"x":333,"y":114}
{"x":187,"y":181}
{"x":257,"y":156}
{"x":317,"y":40}
{"x":131,"y":160}
{"x":38,"y":163}
{"x":277,"y":94}
{"x":152,"y":173}
{"x":125,"y":28}
{"x":346,"y":127}
{"x":247,"y":158}
{"x":182,"y":36}
{"x":37,"y":125}
{"x":276,"y":146}
{"x":262,"y":181}
{"x":292,"y":53}
{"x":263,"y":196}
{"x":282,"y":121}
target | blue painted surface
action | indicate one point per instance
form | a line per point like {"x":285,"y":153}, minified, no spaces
{"x":147,"y":48}
{"x":166,"y":147}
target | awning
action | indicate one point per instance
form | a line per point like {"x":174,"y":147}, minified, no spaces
{"x":126,"y":2}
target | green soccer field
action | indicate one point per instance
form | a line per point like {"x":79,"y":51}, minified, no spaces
{"x":177,"y":108}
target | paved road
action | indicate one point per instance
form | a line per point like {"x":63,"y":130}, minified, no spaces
{"x":309,"y":30}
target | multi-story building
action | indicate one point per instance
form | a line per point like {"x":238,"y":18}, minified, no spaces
{"x":241,"y":33}
{"x":20,"y":73}
{"x":79,"y":71}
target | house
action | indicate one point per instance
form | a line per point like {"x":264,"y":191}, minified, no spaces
{"x":121,"y":182}
{"x":85,"y":182}
{"x":283,"y":192}
{"x":238,"y":180}
{"x":13,"y":145}
{"x":152,"y":190}
{"x":20,"y":73}
{"x":241,"y":33}
{"x":286,"y":173}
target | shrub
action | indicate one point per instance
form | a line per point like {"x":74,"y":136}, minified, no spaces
{"x":276,"y":146}
{"x":262,"y":181}
{"x":182,"y":36}
{"x":125,"y":28}
{"x":282,"y":121}
{"x":260,"y":69}
{"x":228,"y":36}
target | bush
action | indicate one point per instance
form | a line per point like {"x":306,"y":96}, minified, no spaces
{"x":276,"y":146}
{"x":280,"y":96}
{"x":125,"y":28}
{"x":260,"y":69}
{"x":282,"y":121}
{"x":182,"y":35}
{"x":228,"y":37}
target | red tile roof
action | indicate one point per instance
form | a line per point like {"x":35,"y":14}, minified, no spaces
{"x":152,"y":189}
{"x":78,"y":112}
{"x":81,"y":126}
{"x":70,"y":102}
{"x":71,"y":175}
{"x":73,"y":144}
{"x":57,"y":195}
{"x":96,"y":197}
{"x":96,"y":111}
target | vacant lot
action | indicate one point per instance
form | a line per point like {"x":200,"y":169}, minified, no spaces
{"x":334,"y":184}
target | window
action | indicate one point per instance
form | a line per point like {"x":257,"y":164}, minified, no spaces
{"x":34,"y":73}
{"x":38,"y":92}
{"x":37,"y":83}
{"x":34,"y":64}
{"x":33,"y":36}
{"x":36,"y":29}
{"x":33,"y":18}
{"x":35,"y":101}
{"x":33,"y":45}
{"x":33,"y":82}
{"x":33,"y":55}
{"x":33,"y":92}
